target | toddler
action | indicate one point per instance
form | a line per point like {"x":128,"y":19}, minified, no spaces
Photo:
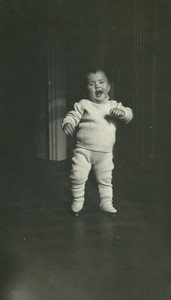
{"x":95,"y":119}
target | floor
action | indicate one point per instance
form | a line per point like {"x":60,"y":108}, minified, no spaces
{"x":46,"y":253}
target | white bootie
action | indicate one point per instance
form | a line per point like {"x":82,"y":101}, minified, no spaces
{"x":76,"y":206}
{"x":108,"y":207}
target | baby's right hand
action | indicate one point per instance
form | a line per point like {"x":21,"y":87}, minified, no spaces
{"x":69,"y":129}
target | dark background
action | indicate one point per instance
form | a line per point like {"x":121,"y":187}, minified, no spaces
{"x":45,"y":253}
{"x":91,"y":31}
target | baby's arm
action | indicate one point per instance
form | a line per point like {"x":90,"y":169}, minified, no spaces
{"x":122,"y":113}
{"x":72,"y":119}
{"x":69,"y":128}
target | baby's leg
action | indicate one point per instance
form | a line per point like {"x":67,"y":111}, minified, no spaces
{"x":103,"y":172}
{"x":79,"y":174}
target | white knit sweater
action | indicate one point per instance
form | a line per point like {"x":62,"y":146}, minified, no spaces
{"x":96,"y":126}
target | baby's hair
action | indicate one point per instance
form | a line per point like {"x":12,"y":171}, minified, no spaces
{"x":95,"y":70}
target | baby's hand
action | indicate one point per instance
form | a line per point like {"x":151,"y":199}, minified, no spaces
{"x":117,"y":112}
{"x":69,"y":128}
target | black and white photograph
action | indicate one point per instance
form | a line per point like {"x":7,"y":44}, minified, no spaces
{"x":85,"y":119}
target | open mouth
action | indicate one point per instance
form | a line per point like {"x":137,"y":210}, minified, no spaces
{"x":98,"y":93}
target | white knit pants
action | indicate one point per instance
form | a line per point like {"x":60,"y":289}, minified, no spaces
{"x":102,"y":164}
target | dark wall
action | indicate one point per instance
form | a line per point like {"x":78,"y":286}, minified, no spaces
{"x":163,"y":50}
{"x":23,"y":78}
{"x":99,"y":31}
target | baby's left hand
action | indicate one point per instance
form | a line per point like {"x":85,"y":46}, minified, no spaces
{"x":117,"y":112}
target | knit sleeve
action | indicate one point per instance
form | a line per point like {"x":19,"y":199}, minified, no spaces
{"x":74,"y":116}
{"x":128,"y":115}
{"x":127,"y":110}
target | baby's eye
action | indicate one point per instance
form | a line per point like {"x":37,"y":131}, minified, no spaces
{"x":101,"y":82}
{"x":91,"y":84}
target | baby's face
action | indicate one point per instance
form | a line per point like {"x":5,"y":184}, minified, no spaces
{"x":98,"y":87}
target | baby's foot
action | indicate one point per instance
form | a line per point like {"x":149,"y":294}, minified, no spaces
{"x":108,"y":207}
{"x":76,"y":207}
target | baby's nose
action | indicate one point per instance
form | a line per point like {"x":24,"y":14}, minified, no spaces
{"x":97,"y":84}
